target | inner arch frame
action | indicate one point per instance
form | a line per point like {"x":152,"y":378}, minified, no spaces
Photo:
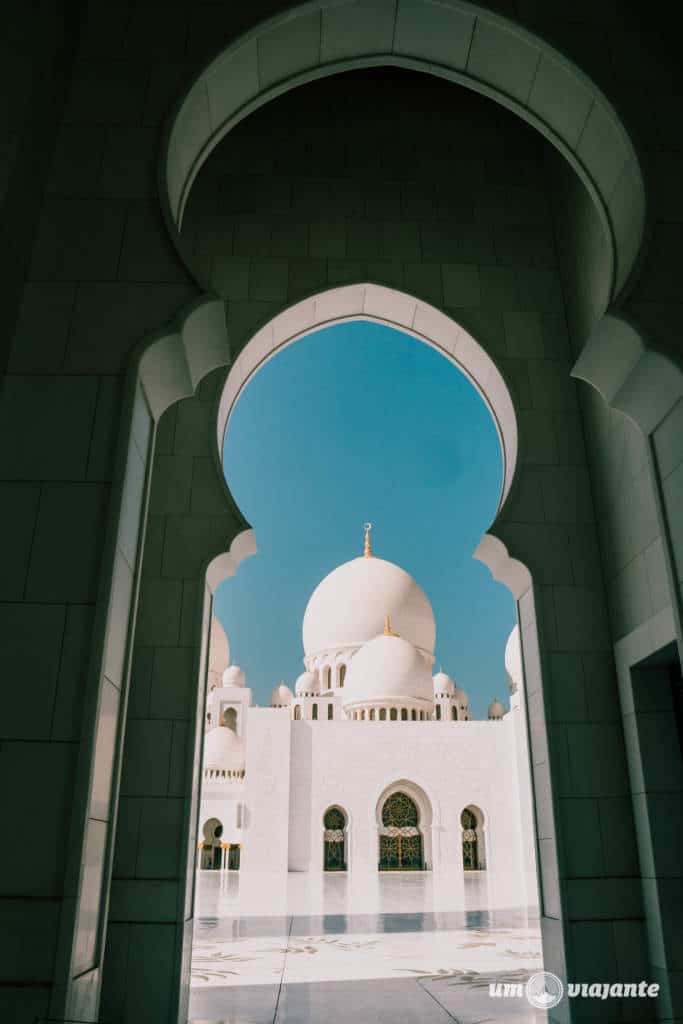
{"x":392,"y":308}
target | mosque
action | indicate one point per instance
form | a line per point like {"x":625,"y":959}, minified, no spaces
{"x":499,"y":181}
{"x":328,"y":767}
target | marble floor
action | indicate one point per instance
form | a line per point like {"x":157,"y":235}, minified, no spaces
{"x":321,"y":950}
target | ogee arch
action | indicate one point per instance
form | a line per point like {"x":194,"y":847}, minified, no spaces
{"x":394,"y":309}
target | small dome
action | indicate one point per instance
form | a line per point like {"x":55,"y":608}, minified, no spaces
{"x":388,"y":668}
{"x":307,"y":682}
{"x":460,"y":697}
{"x":496,"y":710}
{"x":223,"y":749}
{"x":443,"y":684}
{"x":233,"y":676}
{"x":348,"y":607}
{"x":281,"y":696}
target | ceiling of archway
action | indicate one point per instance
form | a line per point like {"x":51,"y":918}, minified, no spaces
{"x":410,"y":171}
{"x":459,"y":41}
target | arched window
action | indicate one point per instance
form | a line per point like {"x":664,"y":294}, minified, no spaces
{"x":372,"y":714}
{"x":230,"y":718}
{"x":404,"y":714}
{"x":413,"y":714}
{"x":212,"y":851}
{"x":472,"y":841}
{"x":382,"y":714}
{"x":326,"y":677}
{"x":393,"y":715}
{"x":438,"y":712}
{"x":330,"y":711}
{"x":314,"y":713}
{"x":334,"y":839}
{"x":454,"y":713}
{"x":342,"y":675}
{"x":297,"y":713}
{"x":400,"y":840}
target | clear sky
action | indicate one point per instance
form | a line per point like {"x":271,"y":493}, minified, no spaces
{"x":361,"y":422}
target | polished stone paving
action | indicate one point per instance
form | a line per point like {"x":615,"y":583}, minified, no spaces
{"x":396,"y":951}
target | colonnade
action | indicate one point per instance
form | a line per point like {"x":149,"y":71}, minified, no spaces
{"x":225,"y":849}
{"x":391,"y":714}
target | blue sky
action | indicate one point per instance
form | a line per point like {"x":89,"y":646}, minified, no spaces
{"x":361,"y":422}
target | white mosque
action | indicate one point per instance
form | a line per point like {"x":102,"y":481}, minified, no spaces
{"x":371,"y":764}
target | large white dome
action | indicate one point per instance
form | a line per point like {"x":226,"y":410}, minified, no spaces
{"x":390,"y":669}
{"x":348,"y":608}
{"x":223,"y":750}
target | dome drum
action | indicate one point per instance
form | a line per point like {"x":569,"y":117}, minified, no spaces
{"x":388,"y":704}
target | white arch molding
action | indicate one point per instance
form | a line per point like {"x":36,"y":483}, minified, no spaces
{"x":393,"y":308}
{"x":426,"y":814}
{"x":452,"y":39}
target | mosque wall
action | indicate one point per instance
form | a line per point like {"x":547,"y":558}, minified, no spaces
{"x":267,"y":793}
{"x":223,"y":804}
{"x":527,"y":819}
{"x":350,"y":764}
{"x":101,"y":275}
{"x":636,"y":482}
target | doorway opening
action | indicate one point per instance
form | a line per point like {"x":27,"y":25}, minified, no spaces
{"x":368,"y":628}
{"x":335,"y":830}
{"x":473,"y":852}
{"x":400,"y":839}
{"x":212,"y":847}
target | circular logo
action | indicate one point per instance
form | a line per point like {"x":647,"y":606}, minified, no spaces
{"x":544,"y":990}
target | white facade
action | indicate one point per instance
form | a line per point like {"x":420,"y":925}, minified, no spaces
{"x":349,"y":740}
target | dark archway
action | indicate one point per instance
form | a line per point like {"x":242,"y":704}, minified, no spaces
{"x":473,"y":847}
{"x":212,"y":849}
{"x":335,"y":835}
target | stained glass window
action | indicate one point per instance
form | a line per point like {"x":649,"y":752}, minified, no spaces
{"x":334,"y":818}
{"x":400,"y":841}
{"x":335,"y":823}
{"x":399,"y":810}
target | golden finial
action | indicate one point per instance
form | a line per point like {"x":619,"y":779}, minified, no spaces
{"x":388,"y":631}
{"x":368,"y":549}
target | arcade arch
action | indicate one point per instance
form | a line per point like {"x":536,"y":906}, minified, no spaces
{"x":404,"y":819}
{"x":473,"y":839}
{"x":335,"y":839}
{"x":212,"y":850}
{"x":176,"y":362}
